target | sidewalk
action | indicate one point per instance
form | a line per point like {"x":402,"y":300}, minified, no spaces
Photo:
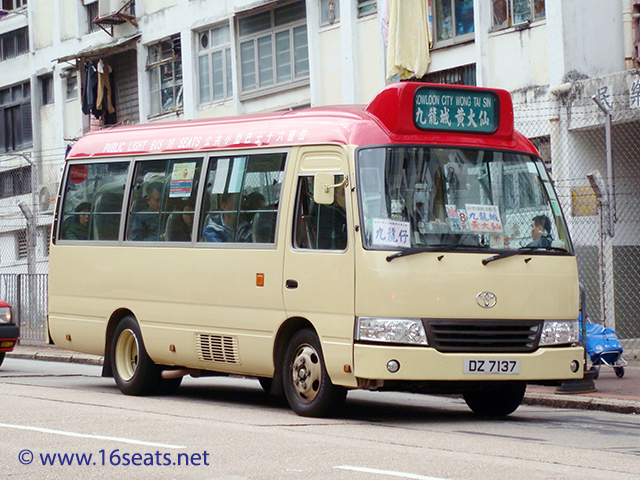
{"x":619,"y":395}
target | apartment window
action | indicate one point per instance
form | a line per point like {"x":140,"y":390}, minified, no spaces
{"x":273,"y":48}
{"x":165,"y":76}
{"x":453,"y":21}
{"x":46,"y":85}
{"x":13,"y":4}
{"x":15,"y":118}
{"x":71,"y":84}
{"x":367,"y":7}
{"x":92,"y":12}
{"x":21,"y":244}
{"x":214,"y":64}
{"x":15,"y":182}
{"x":507,"y":13}
{"x":329,"y":12}
{"x":14,"y":43}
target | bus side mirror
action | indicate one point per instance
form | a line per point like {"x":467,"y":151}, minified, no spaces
{"x":323,"y":185}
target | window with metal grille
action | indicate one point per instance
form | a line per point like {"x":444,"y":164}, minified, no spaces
{"x":453,"y":22}
{"x":9,"y":5}
{"x":15,"y":182}
{"x":507,"y":13}
{"x":21,"y":244}
{"x":367,"y":7}
{"x":214,"y":64}
{"x":14,"y":43}
{"x":46,"y":85}
{"x":164,"y":64}
{"x":465,"y":75}
{"x":273,"y":48}
{"x":329,"y":12}
{"x":92,"y":13}
{"x":15,"y":118}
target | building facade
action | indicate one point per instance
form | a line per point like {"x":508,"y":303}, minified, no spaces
{"x":70,"y":66}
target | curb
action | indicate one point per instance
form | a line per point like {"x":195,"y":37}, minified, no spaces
{"x":577,"y":402}
{"x":55,"y":356}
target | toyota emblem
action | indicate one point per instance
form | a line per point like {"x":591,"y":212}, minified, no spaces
{"x":486,"y":299}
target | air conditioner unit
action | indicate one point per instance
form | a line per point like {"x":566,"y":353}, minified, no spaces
{"x":110,"y":7}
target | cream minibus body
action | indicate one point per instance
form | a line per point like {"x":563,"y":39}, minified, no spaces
{"x":414,"y":244}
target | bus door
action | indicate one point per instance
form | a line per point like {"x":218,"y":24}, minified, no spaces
{"x":319,"y":262}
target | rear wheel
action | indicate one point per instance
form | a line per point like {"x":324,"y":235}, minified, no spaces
{"x":307,"y":385}
{"x":497,"y":400}
{"x":134,"y":372}
{"x":619,"y":371}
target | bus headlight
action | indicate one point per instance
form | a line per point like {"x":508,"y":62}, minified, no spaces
{"x":391,"y":330}
{"x":5,"y":315}
{"x":556,"y":332}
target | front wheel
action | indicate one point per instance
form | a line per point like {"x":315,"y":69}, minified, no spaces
{"x":619,"y":371}
{"x":497,"y":400}
{"x":134,"y":372}
{"x":307,"y":385}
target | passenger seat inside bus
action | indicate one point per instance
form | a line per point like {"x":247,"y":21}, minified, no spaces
{"x":264,"y":227}
{"x":106,"y":217}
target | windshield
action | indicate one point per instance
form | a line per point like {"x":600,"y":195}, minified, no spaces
{"x":480,"y":200}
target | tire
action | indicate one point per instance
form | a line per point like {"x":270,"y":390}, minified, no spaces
{"x":133,"y":370}
{"x":307,"y":385}
{"x":619,"y":371}
{"x":497,"y":400}
{"x":2,"y":355}
{"x":596,"y":370}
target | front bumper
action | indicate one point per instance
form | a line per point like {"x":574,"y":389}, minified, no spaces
{"x":427,"y":364}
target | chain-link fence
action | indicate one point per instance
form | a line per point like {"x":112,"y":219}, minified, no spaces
{"x":596,"y":171}
{"x":28,"y":186}
{"x":27,"y":294}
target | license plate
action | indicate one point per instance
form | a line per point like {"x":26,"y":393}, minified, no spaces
{"x":491,"y":366}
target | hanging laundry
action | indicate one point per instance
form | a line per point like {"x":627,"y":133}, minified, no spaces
{"x":90,"y":88}
{"x":104,"y":88}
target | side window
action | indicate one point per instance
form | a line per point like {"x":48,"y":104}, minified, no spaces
{"x":92,"y":203}
{"x":241,"y":199}
{"x":319,"y":227}
{"x":162,"y":204}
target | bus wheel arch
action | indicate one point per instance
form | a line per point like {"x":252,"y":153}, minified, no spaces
{"x":306,"y":382}
{"x":116,"y":317}
{"x":287,"y":330}
{"x":133,"y":370}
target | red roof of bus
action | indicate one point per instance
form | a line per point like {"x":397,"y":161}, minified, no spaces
{"x":387,"y":119}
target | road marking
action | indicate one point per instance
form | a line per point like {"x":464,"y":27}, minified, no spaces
{"x":387,"y":472}
{"x":84,"y":435}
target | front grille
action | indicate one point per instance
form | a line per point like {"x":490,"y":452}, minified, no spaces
{"x":217,"y":348}
{"x":497,"y":336}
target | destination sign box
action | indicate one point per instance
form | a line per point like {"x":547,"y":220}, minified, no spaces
{"x":453,"y":110}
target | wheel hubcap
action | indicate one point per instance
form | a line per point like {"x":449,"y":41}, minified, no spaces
{"x":126,"y":355}
{"x":306,"y":373}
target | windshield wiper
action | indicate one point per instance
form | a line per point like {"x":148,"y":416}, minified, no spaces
{"x":521,"y":251}
{"x":430,"y":248}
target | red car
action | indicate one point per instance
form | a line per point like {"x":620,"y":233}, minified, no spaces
{"x":9,"y":331}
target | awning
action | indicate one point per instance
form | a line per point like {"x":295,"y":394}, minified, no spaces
{"x":409,"y":39}
{"x":98,"y":51}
